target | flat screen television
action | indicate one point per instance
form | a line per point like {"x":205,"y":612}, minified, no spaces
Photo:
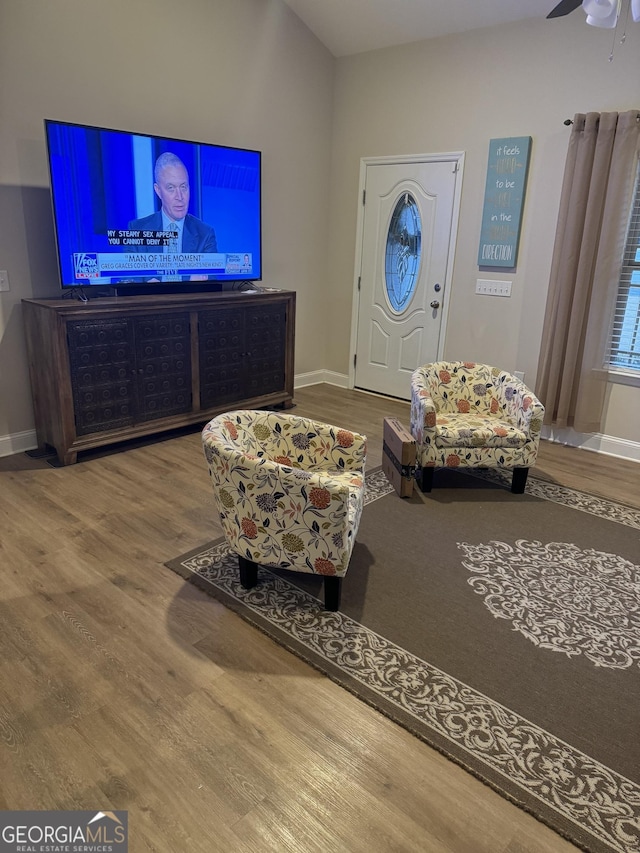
{"x":140,"y":213}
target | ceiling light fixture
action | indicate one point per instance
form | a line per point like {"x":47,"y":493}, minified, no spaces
{"x":601,"y":13}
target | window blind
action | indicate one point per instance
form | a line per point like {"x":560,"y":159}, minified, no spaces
{"x":624,"y":336}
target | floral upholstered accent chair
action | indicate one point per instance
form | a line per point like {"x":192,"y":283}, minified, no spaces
{"x":472,"y":415}
{"x":289,"y":491}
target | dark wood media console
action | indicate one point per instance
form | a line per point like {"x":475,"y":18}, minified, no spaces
{"x":112,"y":369}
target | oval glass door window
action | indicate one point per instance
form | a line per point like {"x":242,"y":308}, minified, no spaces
{"x":402,"y":254}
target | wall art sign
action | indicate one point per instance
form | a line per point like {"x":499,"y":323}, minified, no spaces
{"x":504,"y":193}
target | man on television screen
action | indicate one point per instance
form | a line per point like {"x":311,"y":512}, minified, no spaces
{"x":171,"y":184}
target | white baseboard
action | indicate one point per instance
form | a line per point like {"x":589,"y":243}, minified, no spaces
{"x":597,"y":442}
{"x":18,"y":442}
{"x":303,"y":380}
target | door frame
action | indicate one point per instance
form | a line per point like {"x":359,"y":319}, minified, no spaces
{"x":456,"y":158}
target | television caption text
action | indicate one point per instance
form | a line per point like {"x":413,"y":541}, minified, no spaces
{"x":141,"y":238}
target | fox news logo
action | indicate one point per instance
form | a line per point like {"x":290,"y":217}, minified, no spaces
{"x":86,"y":265}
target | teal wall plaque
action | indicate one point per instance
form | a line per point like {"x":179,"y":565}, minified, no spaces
{"x":504,"y":193}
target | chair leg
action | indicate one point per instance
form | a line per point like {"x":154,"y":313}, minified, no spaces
{"x":519,"y":480}
{"x":248,"y":573}
{"x":332,"y":592}
{"x":424,"y":478}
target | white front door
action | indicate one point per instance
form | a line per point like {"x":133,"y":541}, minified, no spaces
{"x":406,"y":257}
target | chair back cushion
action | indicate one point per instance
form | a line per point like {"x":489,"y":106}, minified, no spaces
{"x":464,"y":388}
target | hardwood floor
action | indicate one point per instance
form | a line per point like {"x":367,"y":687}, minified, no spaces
{"x":123,"y":687}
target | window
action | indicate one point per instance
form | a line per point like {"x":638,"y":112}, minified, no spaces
{"x":624,"y":338}
{"x":402,"y":252}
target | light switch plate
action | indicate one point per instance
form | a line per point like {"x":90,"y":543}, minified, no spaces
{"x":4,"y":280}
{"x":485,"y":287}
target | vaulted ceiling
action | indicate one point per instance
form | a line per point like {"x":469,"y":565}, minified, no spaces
{"x":353,"y":26}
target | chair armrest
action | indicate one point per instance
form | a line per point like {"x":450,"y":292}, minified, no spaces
{"x":423,"y":409}
{"x":520,"y":404}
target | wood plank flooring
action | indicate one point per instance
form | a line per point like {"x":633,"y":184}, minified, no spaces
{"x":123,"y":687}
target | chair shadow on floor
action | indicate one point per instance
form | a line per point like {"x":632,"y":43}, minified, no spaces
{"x":200,"y":600}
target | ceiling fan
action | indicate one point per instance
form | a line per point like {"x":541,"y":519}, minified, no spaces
{"x":563,"y":8}
{"x":600,"y":13}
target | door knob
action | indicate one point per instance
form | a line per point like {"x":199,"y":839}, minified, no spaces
{"x":435,"y":304}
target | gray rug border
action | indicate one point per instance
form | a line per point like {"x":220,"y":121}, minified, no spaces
{"x":273,"y":588}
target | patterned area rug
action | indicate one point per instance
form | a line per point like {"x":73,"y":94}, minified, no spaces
{"x":502,"y":629}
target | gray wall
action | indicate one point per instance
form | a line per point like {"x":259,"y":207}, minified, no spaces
{"x":236,"y":72}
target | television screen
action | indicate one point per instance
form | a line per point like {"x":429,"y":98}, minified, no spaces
{"x":147,"y":212}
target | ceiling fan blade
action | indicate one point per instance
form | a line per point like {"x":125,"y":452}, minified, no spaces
{"x":563,"y":8}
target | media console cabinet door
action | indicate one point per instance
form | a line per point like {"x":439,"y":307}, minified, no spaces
{"x":242,"y":353}
{"x":266,"y":349}
{"x":102,"y":361}
{"x":128,"y":370}
{"x":221,"y":346}
{"x":163,"y":365}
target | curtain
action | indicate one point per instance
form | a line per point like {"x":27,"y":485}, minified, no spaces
{"x":587,"y":257}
